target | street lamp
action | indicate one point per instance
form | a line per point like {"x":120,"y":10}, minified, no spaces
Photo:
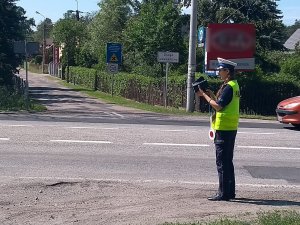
{"x":44,"y":40}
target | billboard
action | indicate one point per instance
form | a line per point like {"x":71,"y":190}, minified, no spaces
{"x":235,"y":42}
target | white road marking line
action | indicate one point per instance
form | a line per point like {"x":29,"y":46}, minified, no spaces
{"x":254,"y":133}
{"x":78,"y":141}
{"x":283,"y":186}
{"x":117,"y":114}
{"x":175,"y":130}
{"x":174,"y":144}
{"x":267,"y":147}
{"x":98,"y":128}
{"x":17,"y":125}
{"x":4,"y":139}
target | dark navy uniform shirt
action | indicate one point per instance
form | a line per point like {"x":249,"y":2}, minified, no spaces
{"x":226,"y":96}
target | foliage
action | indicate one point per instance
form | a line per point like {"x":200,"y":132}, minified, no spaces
{"x":260,"y":94}
{"x":70,"y":34}
{"x":150,"y":32}
{"x":83,"y":76}
{"x":289,"y":30}
{"x":85,"y":58}
{"x":11,"y":100}
{"x":292,"y":67}
{"x":270,"y":61}
{"x":262,"y":13}
{"x":107,"y":26}
{"x":45,"y":26}
{"x":279,"y":218}
{"x":264,"y":218}
{"x":38,"y":59}
{"x":13,"y":27}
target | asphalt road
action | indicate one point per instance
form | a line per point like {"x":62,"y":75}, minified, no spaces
{"x":164,"y":153}
{"x":84,"y":161}
{"x":84,"y":138}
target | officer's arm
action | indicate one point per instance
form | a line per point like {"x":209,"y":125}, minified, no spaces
{"x":224,"y":99}
{"x":212,"y":102}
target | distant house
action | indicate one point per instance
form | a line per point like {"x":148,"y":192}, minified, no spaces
{"x":293,"y":40}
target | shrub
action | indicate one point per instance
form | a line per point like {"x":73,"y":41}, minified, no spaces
{"x":292,"y":67}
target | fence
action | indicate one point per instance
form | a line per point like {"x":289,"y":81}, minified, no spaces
{"x":19,"y":85}
{"x":258,"y":97}
{"x":55,"y":69}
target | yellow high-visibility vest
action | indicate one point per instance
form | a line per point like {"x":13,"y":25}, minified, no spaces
{"x":228,"y":117}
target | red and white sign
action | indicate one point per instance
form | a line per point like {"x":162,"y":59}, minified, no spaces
{"x":235,"y":42}
{"x":55,"y":54}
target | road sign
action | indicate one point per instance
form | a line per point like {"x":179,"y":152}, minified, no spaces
{"x":201,"y":35}
{"x":112,"y":67}
{"x":168,"y":57}
{"x":114,"y":53}
{"x":32,"y":48}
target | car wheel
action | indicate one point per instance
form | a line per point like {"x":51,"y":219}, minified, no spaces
{"x":296,"y":125}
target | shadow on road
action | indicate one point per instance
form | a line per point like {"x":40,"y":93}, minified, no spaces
{"x":292,"y":128}
{"x":43,"y":89}
{"x":266,"y":202}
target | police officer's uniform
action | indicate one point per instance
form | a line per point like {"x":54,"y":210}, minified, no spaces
{"x":225,"y":126}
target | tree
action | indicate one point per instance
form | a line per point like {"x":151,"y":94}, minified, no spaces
{"x":70,"y":34}
{"x":39,"y":33}
{"x":108,"y":26}
{"x":156,"y":28}
{"x":289,"y":30}
{"x":262,"y":13}
{"x":14,"y":26}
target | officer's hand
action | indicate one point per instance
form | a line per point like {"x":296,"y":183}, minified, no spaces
{"x":200,"y":92}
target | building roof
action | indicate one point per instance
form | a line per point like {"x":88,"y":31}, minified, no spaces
{"x":292,"y":41}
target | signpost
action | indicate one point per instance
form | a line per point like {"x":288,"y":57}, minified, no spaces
{"x":167,"y":57}
{"x":113,"y":60}
{"x":26,"y":48}
{"x":114,"y":53}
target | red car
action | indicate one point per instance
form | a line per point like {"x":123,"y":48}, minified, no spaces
{"x":288,"y":111}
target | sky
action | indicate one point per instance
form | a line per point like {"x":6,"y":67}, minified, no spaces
{"x":55,"y":9}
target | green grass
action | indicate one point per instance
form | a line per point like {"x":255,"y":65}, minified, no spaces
{"x":34,"y":68}
{"x":279,"y":218}
{"x":108,"y":98}
{"x":263,"y":218}
{"x":11,"y":101}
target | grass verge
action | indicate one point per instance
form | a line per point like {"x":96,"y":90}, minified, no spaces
{"x":108,"y":98}
{"x":12,"y":101}
{"x":263,"y":218}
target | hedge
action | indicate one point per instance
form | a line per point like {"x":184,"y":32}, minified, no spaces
{"x":258,"y":96}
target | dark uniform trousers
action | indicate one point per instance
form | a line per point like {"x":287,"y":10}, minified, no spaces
{"x":224,"y":143}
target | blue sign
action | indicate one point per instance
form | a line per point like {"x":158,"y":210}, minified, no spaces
{"x":201,"y":35}
{"x":114,"y":53}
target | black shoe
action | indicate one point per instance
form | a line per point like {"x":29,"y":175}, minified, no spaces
{"x":218,"y":198}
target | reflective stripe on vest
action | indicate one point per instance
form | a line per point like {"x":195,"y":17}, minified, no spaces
{"x":228,"y":117}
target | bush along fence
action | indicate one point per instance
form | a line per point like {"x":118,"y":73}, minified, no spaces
{"x":258,"y":97}
{"x":12,"y":96}
{"x":18,"y":85}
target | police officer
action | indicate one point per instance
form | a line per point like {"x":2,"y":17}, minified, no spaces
{"x":225,"y":124}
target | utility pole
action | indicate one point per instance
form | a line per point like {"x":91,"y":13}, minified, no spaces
{"x":190,"y":97}
{"x":26,"y":74}
{"x":77,"y":12}
{"x":44,"y":40}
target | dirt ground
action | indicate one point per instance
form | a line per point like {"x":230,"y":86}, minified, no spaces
{"x":43,"y":202}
